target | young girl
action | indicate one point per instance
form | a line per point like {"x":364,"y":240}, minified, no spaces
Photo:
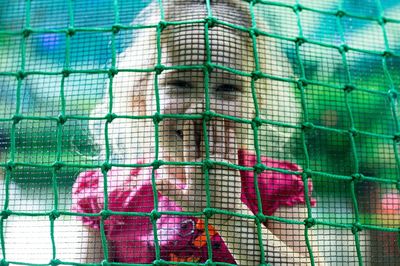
{"x":195,"y":57}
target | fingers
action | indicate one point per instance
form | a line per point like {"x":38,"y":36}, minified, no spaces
{"x":190,"y":141}
{"x":225,"y":186}
{"x":168,"y":187}
{"x":231,"y":145}
{"x":219,"y":145}
{"x":224,"y":182}
{"x":221,"y":138}
{"x":222,"y":141}
{"x":191,"y":144}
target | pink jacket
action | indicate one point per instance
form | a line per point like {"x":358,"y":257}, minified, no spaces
{"x":181,"y":238}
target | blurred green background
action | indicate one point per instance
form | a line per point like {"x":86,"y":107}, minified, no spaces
{"x":330,"y":151}
{"x":373,"y":106}
{"x":36,"y":141}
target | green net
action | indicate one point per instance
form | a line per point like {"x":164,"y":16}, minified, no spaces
{"x":202,"y":133}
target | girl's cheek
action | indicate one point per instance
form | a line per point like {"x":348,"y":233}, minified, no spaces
{"x":173,"y":104}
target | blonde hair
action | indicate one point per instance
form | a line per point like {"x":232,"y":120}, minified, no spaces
{"x":276,"y":98}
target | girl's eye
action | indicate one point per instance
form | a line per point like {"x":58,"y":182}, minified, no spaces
{"x":179,"y":84}
{"x":226,"y":88}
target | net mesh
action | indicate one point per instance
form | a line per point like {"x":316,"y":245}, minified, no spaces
{"x":104,"y":122}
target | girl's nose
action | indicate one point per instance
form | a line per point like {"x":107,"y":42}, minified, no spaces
{"x":197,"y":106}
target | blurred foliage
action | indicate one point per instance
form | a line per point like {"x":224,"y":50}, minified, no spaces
{"x":329,"y":144}
{"x":330,"y":151}
{"x":36,"y":141}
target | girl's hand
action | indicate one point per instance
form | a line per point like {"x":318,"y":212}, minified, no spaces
{"x":224,"y":183}
{"x":224,"y":190}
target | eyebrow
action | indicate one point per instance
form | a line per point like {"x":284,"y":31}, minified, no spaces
{"x":187,"y":76}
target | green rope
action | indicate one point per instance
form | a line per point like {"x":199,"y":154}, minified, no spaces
{"x":206,"y":71}
{"x":255,"y":126}
{"x":302,"y":83}
{"x":352,"y":134}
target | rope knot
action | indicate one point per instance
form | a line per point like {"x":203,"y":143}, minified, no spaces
{"x":10,"y":165}
{"x":162,"y":25}
{"x":357,"y":227}
{"x":5,"y":214}
{"x":61,"y":119}
{"x":208,"y":212}
{"x":340,"y":13}
{"x":160,"y":262}
{"x":297,"y":8}
{"x":156,"y":164}
{"x":54,"y":215}
{"x":157,"y":118}
{"x":302,"y":82}
{"x":21,"y":75}
{"x":343,"y":48}
{"x":307,"y":126}
{"x":306,"y":175}
{"x":26,"y":32}
{"x":57,"y":165}
{"x":55,"y":262}
{"x":208,"y":67}
{"x":207,"y":116}
{"x":393,"y":93}
{"x":208,"y":164}
{"x":349,"y":88}
{"x":71,"y":31}
{"x":105,"y":167}
{"x":357,"y":177}
{"x":211,"y":22}
{"x":259,"y":168}
{"x":300,"y":40}
{"x":353,"y":132}
{"x":255,"y":75}
{"x":105,"y":214}
{"x":256,"y":123}
{"x":254,"y":32}
{"x":16,"y":118}
{"x":382,"y":21}
{"x":154,"y":215}
{"x":112,"y":72}
{"x":387,"y":53}
{"x":116,"y":28}
{"x":309,"y":222}
{"x":159,"y":69}
{"x":110,"y":117}
{"x":209,"y":262}
{"x":65,"y":72}
{"x":261,"y":217}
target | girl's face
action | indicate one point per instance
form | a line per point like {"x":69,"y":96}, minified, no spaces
{"x":183,"y":92}
{"x":230,"y":52}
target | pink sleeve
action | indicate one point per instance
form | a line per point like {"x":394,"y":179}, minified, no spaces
{"x":85,"y":197}
{"x":276,"y":189}
{"x":127,"y":192}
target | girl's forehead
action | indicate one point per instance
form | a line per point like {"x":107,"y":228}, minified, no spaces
{"x":232,"y":11}
{"x":196,"y":77}
{"x":186,"y":45}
